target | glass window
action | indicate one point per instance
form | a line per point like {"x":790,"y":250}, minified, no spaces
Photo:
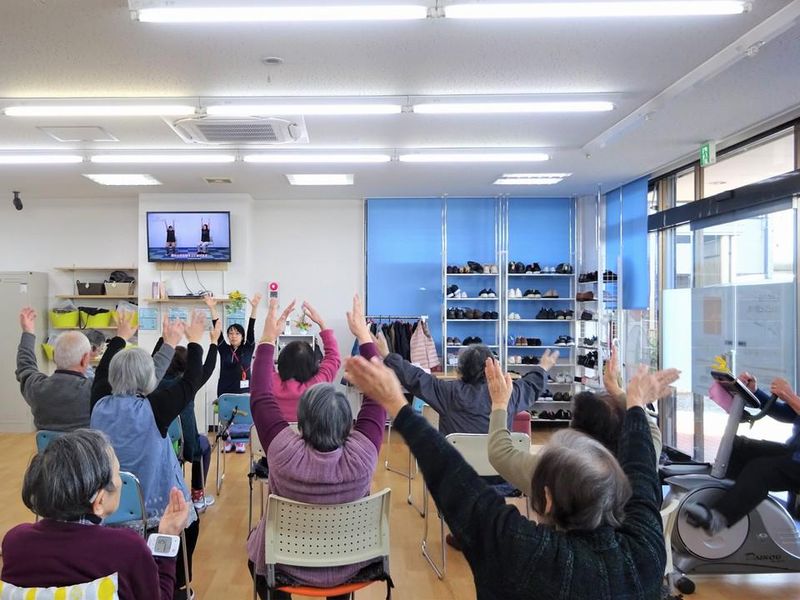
{"x":764,"y":159}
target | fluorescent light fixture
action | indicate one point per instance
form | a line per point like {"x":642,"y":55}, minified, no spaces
{"x":166,"y":159}
{"x":291,"y":157}
{"x":320,"y":179}
{"x":531,"y":178}
{"x":253,"y":14}
{"x":100,"y":110}
{"x":493,"y":108}
{"x":473,"y":157}
{"x":247,"y":110}
{"x":40,"y":159}
{"x":551,"y":10}
{"x":122,"y":178}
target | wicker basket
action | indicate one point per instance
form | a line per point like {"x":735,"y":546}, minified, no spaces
{"x":115,"y":289}
{"x":89,"y":289}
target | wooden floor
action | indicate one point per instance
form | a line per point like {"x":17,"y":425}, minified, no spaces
{"x":221,"y":563}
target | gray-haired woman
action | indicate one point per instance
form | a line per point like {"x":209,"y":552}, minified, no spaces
{"x":578,"y":550}
{"x":73,"y":484}
{"x":136,"y":418}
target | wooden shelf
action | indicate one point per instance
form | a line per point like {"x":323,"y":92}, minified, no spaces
{"x":168,"y":300}
{"x":84,"y":328}
{"x":97,"y":269}
{"x":94,"y":297}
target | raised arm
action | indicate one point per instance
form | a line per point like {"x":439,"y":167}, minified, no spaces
{"x":418,"y":382}
{"x":526,"y":389}
{"x":642,"y":518}
{"x":162,"y":356}
{"x":167,"y":403}
{"x":267,"y":415}
{"x":27,"y":372}
{"x":101,"y":386}
{"x":475,"y":513}
{"x":211,"y":303}
{"x":331,"y":361}
{"x":371,"y":420}
{"x":250,"y":340}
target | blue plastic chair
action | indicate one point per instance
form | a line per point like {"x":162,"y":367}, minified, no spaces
{"x":232,"y":409}
{"x":44,"y":437}
{"x":131,"y":503}
{"x":175,"y":433}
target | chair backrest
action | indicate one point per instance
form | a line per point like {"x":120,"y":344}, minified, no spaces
{"x":522,"y":423}
{"x":131,"y":503}
{"x":227,"y":403}
{"x":430,"y":415}
{"x":175,"y":433}
{"x":474,"y":447}
{"x":44,"y":437}
{"x":256,"y":449}
{"x":327,"y":535}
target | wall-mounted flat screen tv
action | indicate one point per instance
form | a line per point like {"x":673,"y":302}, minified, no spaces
{"x":189,"y":236}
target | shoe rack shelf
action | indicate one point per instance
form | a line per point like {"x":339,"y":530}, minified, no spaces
{"x":541,"y":275}
{"x":472,"y":299}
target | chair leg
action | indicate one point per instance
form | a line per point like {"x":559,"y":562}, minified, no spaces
{"x":440,"y":570}
{"x":421,"y":510}
{"x":186,"y":566}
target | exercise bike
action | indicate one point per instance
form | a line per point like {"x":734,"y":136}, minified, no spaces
{"x":765,"y":541}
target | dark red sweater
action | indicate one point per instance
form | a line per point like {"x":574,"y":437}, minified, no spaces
{"x":54,"y":553}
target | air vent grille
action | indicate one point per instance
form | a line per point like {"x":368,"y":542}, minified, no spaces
{"x":241,"y":131}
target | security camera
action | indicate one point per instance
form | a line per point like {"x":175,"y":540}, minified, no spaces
{"x":17,"y":201}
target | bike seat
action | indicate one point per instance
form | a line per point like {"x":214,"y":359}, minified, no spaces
{"x":683,"y":469}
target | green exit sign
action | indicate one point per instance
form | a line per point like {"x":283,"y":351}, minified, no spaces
{"x":708,"y":154}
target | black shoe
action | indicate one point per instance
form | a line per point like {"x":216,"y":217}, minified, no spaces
{"x":587,"y":316}
{"x":467,"y":341}
{"x":486,"y":315}
{"x":542,"y":314}
{"x":453,"y":542}
{"x":495,"y":315}
{"x":451,"y":313}
{"x":475,"y":267}
{"x":536,"y":268}
{"x":458,"y":313}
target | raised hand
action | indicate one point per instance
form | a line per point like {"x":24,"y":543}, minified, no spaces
{"x":357,"y":322}
{"x":125,"y":327}
{"x":216,"y":332}
{"x":172,"y":331}
{"x":196,"y":327}
{"x":312,"y":314}
{"x":383,"y":346}
{"x":209,"y":300}
{"x":254,"y":302}
{"x":549,"y":359}
{"x":273,"y":325}
{"x":781,"y":388}
{"x":376,"y":381}
{"x":27,"y":319}
{"x":499,"y":384}
{"x":176,"y":515}
{"x":611,"y":374}
{"x":643,"y":388}
{"x":665,"y":380}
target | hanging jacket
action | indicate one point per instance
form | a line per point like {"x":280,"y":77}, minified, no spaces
{"x":423,"y":348}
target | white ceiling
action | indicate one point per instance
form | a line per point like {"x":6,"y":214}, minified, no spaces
{"x":91,"y":48}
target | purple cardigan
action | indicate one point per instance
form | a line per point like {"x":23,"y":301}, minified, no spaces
{"x":300,"y":472}
{"x":56,"y":553}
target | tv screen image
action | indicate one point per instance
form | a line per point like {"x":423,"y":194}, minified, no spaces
{"x":188,"y":236}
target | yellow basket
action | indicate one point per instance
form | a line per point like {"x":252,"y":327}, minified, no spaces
{"x":64,"y":320}
{"x":47,"y":350}
{"x":135,"y":317}
{"x":98,"y":321}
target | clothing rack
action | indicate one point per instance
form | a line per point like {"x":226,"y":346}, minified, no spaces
{"x":397,"y":317}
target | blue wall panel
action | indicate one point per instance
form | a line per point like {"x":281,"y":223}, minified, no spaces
{"x":613,"y":216}
{"x":404,"y":264}
{"x":635,"y":260}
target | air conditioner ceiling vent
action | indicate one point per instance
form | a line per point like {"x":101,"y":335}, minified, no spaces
{"x":241,"y":131}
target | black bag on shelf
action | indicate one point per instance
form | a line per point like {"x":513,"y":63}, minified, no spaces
{"x":121,"y":277}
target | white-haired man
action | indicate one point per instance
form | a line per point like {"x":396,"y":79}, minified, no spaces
{"x":60,"y":402}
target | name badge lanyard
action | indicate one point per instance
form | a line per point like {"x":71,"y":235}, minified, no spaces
{"x":241,"y":366}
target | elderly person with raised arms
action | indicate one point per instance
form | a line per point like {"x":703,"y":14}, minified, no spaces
{"x":329,"y":461}
{"x":136,"y":416}
{"x":60,"y":402}
{"x":599,"y":529}
{"x":598,"y":415}
{"x":73,"y":485}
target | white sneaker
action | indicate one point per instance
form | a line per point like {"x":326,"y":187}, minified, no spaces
{"x":518,"y":293}
{"x":462,"y":294}
{"x":494,"y":269}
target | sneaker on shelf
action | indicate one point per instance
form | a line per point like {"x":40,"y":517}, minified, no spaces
{"x":551,"y":293}
{"x":451,"y":291}
{"x":241,"y":447}
{"x":493,"y":269}
{"x":587,"y":315}
{"x":517,"y":293}
{"x":542,"y":314}
{"x":490,"y":293}
{"x":483,"y":294}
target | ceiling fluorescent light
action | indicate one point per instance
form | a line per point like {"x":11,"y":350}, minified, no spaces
{"x":166,"y":159}
{"x":122,"y":178}
{"x":104,"y":110}
{"x":453,"y":157}
{"x":550,"y":10}
{"x":248,"y":110}
{"x":320,"y":179}
{"x":531,"y":178}
{"x":488,"y":108}
{"x":40,"y":159}
{"x":228,"y":14}
{"x":316,"y":158}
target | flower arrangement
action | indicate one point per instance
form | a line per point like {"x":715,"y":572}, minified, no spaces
{"x":236,"y":300}
{"x":302,"y":324}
